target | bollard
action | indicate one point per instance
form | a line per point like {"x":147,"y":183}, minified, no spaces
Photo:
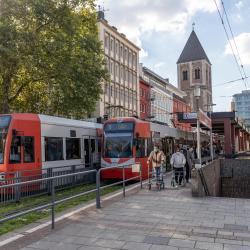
{"x":52,"y":204}
{"x":123,"y":178}
{"x":98,"y":201}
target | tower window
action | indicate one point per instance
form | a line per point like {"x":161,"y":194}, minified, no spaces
{"x":197,"y":73}
{"x":185,"y":75}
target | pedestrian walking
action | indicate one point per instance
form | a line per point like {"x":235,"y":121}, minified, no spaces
{"x":178,"y":162}
{"x":157,"y":158}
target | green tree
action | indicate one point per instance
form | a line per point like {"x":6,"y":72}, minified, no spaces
{"x":51,"y":60}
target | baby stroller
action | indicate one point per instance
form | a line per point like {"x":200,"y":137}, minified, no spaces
{"x":180,"y":175}
{"x":157,"y":178}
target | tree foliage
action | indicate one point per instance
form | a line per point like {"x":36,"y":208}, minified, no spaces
{"x":51,"y":59}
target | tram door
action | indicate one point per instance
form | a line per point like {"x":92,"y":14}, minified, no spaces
{"x":89,"y":148}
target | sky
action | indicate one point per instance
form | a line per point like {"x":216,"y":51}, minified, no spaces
{"x":161,"y":28}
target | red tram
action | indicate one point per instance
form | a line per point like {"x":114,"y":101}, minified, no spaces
{"x":32,"y":143}
{"x":127,"y":141}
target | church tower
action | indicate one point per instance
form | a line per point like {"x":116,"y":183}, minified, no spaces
{"x":194,"y":69}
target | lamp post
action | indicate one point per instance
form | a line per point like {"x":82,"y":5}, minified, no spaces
{"x":197,"y":94}
{"x":211,"y":130}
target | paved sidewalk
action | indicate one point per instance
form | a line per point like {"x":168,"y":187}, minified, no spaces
{"x":156,"y":220}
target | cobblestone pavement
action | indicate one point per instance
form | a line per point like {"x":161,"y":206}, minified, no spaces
{"x":157,"y":220}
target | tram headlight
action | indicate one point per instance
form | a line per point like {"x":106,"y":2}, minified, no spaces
{"x":2,"y":177}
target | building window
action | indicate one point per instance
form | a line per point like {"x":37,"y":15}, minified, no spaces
{"x":106,"y":42}
{"x":121,"y":72}
{"x":53,"y":149}
{"x":117,"y":48}
{"x":73,"y":148}
{"x":197,"y":73}
{"x":185,"y":75}
{"x":111,"y":68}
{"x":29,"y":155}
{"x":141,"y":108}
{"x":125,"y":54}
{"x":111,"y":90}
{"x":111,"y":44}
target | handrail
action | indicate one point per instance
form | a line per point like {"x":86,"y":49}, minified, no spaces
{"x":46,"y":179}
{"x":54,"y":202}
{"x":98,"y":180}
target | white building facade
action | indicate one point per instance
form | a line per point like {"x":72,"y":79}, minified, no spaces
{"x":161,"y":97}
{"x":120,"y":96}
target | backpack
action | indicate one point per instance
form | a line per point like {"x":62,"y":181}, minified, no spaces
{"x":178,"y":160}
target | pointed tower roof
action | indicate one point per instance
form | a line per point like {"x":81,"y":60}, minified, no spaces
{"x":193,"y":50}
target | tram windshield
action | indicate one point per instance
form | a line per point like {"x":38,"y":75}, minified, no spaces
{"x":4,"y":125}
{"x":118,"y":145}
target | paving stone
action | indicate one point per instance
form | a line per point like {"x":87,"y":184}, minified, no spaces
{"x":156,"y":240}
{"x":160,"y":247}
{"x":80,"y":240}
{"x":235,"y":227}
{"x":233,"y":247}
{"x":43,"y":244}
{"x":93,"y":248}
{"x":225,"y":233}
{"x":200,"y":238}
{"x":109,"y":243}
{"x":230,"y":242}
{"x":132,"y":237}
{"x":136,"y":246}
{"x":208,"y":245}
{"x":181,"y":243}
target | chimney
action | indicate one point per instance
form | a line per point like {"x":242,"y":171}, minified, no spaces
{"x":100,"y":15}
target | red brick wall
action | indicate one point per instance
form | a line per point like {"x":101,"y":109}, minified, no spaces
{"x":181,"y":106}
{"x":145,"y":103}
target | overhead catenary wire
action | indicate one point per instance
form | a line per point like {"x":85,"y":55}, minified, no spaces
{"x":236,"y":47}
{"x":229,"y":41}
{"x":232,"y":81}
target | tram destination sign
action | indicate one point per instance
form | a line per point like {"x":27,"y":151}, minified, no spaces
{"x":119,"y":126}
{"x":190,"y":117}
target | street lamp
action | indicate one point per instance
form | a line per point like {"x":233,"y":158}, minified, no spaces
{"x":211,"y":130}
{"x":197,"y":95}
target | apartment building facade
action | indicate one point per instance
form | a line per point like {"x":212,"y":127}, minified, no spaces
{"x":145,"y":99}
{"x":241,"y":106}
{"x":161,"y":97}
{"x":120,"y":96}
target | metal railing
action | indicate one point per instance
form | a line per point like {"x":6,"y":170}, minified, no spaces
{"x":53,"y":180}
{"x":44,"y":187}
{"x":123,"y":182}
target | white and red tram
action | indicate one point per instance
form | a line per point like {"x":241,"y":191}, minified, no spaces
{"x":36,"y":142}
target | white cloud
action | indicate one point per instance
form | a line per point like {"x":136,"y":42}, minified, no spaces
{"x":159,"y":65}
{"x":143,"y":53}
{"x":239,"y":5}
{"x":243,"y":44}
{"x":135,"y":17}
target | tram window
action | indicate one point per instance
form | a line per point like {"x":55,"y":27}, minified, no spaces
{"x":140,"y":147}
{"x":92,"y":145}
{"x":53,"y":149}
{"x":149,"y":146}
{"x":15,"y":150}
{"x":29,"y":149}
{"x":73,"y":148}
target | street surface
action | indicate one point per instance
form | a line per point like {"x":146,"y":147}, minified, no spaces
{"x":155,"y":220}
